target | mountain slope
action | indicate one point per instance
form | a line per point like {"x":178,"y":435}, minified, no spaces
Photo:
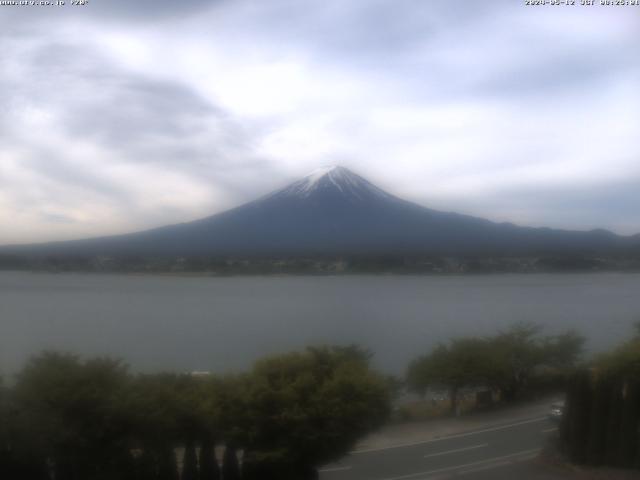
{"x":335,"y":211}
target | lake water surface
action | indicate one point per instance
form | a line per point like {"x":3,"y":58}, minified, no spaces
{"x":224,"y":324}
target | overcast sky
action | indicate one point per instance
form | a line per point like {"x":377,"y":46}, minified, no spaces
{"x":122,"y":115}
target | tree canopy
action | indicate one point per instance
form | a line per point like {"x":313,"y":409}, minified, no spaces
{"x":504,"y":362}
{"x":304,"y":409}
{"x":73,"y":419}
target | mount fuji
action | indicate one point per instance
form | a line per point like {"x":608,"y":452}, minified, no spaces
{"x":335,"y":211}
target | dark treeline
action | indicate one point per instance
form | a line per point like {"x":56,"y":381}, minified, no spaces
{"x":511,"y":364}
{"x":601,"y":424}
{"x":325,"y":264}
{"x":65,"y":418}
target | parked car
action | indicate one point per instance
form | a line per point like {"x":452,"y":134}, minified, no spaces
{"x":556,"y":412}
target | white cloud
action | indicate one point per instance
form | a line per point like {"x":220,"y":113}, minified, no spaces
{"x":111,"y":126}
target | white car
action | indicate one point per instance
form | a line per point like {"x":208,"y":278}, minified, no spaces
{"x":557,"y":409}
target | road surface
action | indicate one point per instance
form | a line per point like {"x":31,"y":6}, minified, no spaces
{"x":500,"y":451}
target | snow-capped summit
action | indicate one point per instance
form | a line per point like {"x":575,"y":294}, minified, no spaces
{"x":332,"y":179}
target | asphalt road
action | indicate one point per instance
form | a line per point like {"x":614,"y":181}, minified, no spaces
{"x":501,"y":451}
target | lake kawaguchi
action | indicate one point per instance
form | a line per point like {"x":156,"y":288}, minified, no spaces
{"x":184,"y":323}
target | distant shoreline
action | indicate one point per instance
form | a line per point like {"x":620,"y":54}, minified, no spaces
{"x":327,"y":265}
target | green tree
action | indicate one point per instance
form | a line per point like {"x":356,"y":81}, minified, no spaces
{"x":209,"y":469}
{"x":167,"y":466}
{"x":576,"y":430}
{"x":464,"y":362}
{"x":630,"y":425}
{"x":614,"y":424}
{"x":169,"y":413}
{"x":517,"y":352}
{"x":520,"y":353}
{"x":73,"y":414}
{"x":623,"y":362}
{"x":5,"y":438}
{"x":145,"y":465}
{"x":190,"y":462}
{"x":230,"y":467}
{"x":622,"y":367}
{"x":610,"y":390}
{"x":506,"y":362}
{"x":305,"y":409}
{"x":600,"y":411}
{"x":562,"y":351}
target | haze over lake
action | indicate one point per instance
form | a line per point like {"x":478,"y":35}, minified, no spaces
{"x":224,"y":324}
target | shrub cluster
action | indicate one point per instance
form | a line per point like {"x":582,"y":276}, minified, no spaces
{"x":65,"y":418}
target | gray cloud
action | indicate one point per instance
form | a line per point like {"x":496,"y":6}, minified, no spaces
{"x":133,"y":11}
{"x":613,"y":203}
{"x":141,"y":118}
{"x":147,"y":10}
{"x":86,"y":133}
{"x":103,"y":99}
{"x":57,"y":218}
{"x":412,"y":40}
{"x":359,"y":30}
